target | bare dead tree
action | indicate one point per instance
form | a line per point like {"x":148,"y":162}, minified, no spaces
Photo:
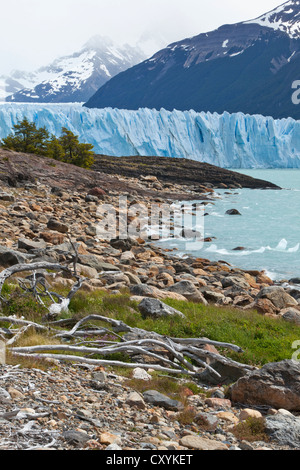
{"x":37,"y":285}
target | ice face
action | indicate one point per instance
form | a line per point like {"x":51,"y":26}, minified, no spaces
{"x":226,"y":140}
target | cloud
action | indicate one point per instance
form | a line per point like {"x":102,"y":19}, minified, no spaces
{"x":34,"y":32}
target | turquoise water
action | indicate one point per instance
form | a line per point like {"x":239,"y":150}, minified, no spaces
{"x":268,"y":229}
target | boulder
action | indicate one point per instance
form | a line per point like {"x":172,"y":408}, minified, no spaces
{"x":229,"y":374}
{"x":57,"y":226}
{"x":10,"y":257}
{"x":206,"y":421}
{"x":141,"y":374}
{"x":233,"y":212}
{"x":7,"y":197}
{"x":54,"y":238}
{"x":263,"y":306}
{"x":155,"y":308}
{"x":278,"y":296}
{"x":95,"y":262}
{"x":135,"y":400}
{"x":144,"y":290}
{"x":235,"y":281}
{"x":24,"y":243}
{"x":276,"y":385}
{"x":158,"y":399}
{"x":200,"y":443}
{"x":189,"y":291}
{"x":123,"y":245}
{"x":284,"y":429}
{"x":212,"y":296}
{"x":295,"y":280}
{"x":97,"y":192}
{"x":291,"y":315}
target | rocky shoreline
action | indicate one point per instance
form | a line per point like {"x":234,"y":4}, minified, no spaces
{"x":73,"y":407}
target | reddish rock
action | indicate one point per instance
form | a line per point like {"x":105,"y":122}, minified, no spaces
{"x":263,"y":279}
{"x":54,"y":238}
{"x":218,"y":403}
{"x":276,"y":385}
{"x":98,"y":192}
{"x":263,"y":306}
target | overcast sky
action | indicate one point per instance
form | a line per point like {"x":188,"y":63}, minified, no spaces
{"x":34,"y":32}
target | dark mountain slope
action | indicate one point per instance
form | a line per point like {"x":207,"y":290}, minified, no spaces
{"x":244,"y":67}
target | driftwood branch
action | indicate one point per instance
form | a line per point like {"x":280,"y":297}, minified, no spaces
{"x":170,"y":355}
{"x":145,"y":349}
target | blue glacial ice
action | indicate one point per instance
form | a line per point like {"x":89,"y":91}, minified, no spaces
{"x":226,"y":140}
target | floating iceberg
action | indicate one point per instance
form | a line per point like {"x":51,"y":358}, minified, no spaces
{"x":226,"y":140}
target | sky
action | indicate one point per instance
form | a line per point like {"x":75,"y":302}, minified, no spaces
{"x":35,"y":32}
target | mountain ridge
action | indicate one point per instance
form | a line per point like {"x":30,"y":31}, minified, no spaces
{"x":246,"y":67}
{"x":73,"y":78}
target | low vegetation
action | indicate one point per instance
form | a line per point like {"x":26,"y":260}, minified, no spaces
{"x":263,"y":339}
{"x":251,"y":430}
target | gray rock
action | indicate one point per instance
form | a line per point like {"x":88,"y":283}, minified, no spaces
{"x":7,"y":197}
{"x":58,"y":226}
{"x":295,"y":280}
{"x":112,"y":278}
{"x":156,"y":309}
{"x":94,"y":262}
{"x":5,"y":397}
{"x":133,"y":278}
{"x":207,"y":421}
{"x":76,"y":438}
{"x":229,"y":374}
{"x":189,"y":291}
{"x":113,"y":447}
{"x":276,"y":385}
{"x":10,"y":257}
{"x":284,"y":429}
{"x":233,"y":212}
{"x":24,"y":243}
{"x":212,"y":296}
{"x":90,"y":198}
{"x":145,"y":290}
{"x":235,"y":281}
{"x":158,"y":399}
{"x":123,"y":245}
{"x":291,"y":315}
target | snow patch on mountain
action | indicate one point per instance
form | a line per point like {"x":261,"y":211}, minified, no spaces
{"x":75,"y":77}
{"x":285,"y":18}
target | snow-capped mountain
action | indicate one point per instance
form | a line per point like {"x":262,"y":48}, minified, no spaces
{"x":15,"y":82}
{"x":248,"y":67}
{"x":73,"y":78}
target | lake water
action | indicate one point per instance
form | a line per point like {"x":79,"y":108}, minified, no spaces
{"x":268,"y":229}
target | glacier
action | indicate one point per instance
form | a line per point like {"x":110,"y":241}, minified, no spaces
{"x":226,"y":140}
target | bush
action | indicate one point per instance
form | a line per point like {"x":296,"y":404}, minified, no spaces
{"x":27,"y":138}
{"x":251,"y":430}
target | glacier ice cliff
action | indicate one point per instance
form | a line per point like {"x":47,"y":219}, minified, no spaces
{"x":226,"y":140}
